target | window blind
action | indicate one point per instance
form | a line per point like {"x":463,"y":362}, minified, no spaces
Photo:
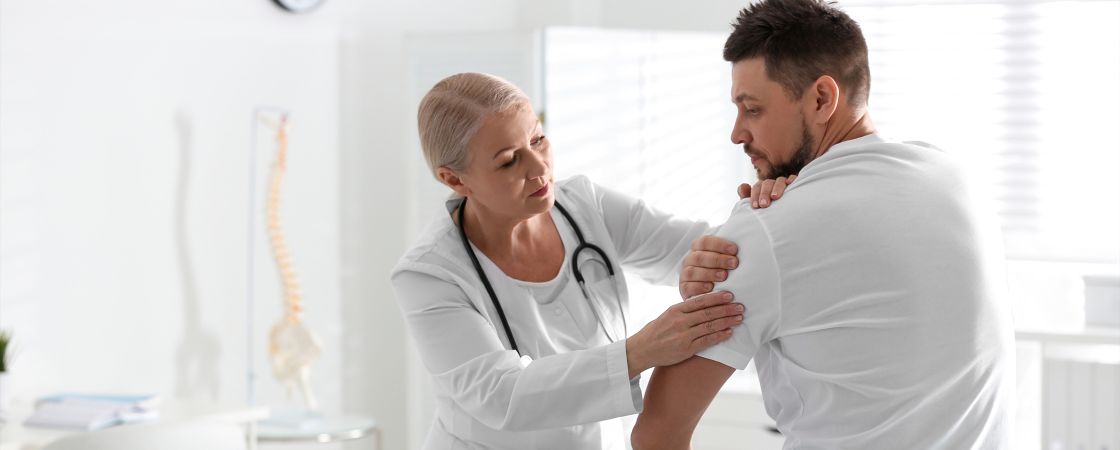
{"x":649,"y":114}
{"x":1027,"y":92}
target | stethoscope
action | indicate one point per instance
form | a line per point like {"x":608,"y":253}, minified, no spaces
{"x":583,"y":245}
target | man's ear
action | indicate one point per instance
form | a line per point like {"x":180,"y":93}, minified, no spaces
{"x":452,"y":180}
{"x":825,"y":96}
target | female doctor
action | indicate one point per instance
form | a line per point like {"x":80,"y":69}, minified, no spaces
{"x":516,"y":296}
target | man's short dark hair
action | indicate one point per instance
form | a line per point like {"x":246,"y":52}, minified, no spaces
{"x":800,"y":40}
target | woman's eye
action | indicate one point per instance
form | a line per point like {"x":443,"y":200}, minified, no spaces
{"x":537,"y":140}
{"x":509,"y":163}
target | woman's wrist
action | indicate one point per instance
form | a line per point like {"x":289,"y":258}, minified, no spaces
{"x":635,"y":363}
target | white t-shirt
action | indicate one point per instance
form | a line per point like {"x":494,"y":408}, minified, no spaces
{"x":875,"y":304}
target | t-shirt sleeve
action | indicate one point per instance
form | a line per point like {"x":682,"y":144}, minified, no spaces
{"x":756,"y":284}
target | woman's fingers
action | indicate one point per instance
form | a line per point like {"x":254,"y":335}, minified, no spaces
{"x":700,"y":274}
{"x":713,"y":312}
{"x":765,"y":192}
{"x":703,"y":342}
{"x":703,"y":302}
{"x":712,"y":326}
{"x":688,"y":327}
{"x":691,"y":289}
{"x":780,"y":186}
{"x":697,"y":280}
{"x":710,"y":260}
{"x":709,"y":243}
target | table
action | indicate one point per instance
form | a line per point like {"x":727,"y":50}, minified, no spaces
{"x":15,"y":436}
{"x":321,"y":428}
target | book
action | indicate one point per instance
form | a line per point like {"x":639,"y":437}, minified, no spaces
{"x":89,"y":412}
{"x":137,"y":400}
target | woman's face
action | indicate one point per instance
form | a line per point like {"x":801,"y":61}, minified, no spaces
{"x":510,"y":167}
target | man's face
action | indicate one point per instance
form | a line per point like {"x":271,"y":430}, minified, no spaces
{"x":770,"y":127}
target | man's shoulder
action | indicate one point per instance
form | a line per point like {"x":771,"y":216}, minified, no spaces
{"x":876,"y":170}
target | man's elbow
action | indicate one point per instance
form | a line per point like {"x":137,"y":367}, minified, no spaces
{"x":641,"y":438}
{"x":647,"y":437}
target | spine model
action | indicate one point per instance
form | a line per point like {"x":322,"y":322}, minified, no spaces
{"x":292,"y":346}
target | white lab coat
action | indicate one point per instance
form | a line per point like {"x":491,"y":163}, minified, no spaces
{"x":577,"y":386}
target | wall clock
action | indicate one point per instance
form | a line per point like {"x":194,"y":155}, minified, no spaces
{"x":298,"y":6}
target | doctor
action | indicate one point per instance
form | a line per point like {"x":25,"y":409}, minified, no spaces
{"x":516,"y":296}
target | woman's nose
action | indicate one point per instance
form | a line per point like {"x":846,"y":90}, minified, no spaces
{"x":538,"y":165}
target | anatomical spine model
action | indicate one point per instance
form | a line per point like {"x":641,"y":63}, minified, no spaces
{"x":292,"y":347}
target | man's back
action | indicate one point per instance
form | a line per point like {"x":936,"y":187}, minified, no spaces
{"x":875,"y":304}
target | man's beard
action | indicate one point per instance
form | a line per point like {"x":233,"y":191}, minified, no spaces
{"x":798,"y":161}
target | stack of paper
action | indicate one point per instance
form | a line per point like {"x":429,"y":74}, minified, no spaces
{"x":91,"y":411}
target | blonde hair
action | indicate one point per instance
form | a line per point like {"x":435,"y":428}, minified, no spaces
{"x":452,"y":111}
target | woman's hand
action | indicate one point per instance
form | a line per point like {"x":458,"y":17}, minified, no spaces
{"x":711,"y":257}
{"x":682,"y":330}
{"x":708,"y":262}
{"x":765,"y":191}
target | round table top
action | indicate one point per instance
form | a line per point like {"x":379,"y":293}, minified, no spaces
{"x":315,"y":427}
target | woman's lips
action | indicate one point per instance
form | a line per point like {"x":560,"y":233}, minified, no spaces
{"x":541,"y":192}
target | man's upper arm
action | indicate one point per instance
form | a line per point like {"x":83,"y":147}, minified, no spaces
{"x":676,"y":398}
{"x":756,"y":284}
{"x":678,"y":395}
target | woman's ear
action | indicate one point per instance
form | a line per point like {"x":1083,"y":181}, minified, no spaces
{"x":825,"y":96}
{"x":452,"y":180}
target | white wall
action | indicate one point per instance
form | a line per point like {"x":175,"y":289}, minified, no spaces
{"x":124,"y":136}
{"x":124,"y":160}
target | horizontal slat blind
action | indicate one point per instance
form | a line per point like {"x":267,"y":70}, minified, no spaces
{"x":649,"y":114}
{"x":1028,"y":92}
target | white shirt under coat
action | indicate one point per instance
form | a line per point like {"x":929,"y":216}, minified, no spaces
{"x":577,"y":387}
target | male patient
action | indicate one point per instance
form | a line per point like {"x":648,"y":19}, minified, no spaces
{"x":874,"y":298}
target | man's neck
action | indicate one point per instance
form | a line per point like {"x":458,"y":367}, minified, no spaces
{"x":846,"y":124}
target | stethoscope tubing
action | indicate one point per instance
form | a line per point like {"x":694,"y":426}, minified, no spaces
{"x":583,"y":245}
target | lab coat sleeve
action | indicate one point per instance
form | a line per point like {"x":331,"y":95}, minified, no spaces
{"x":652,"y":244}
{"x":758,"y":289}
{"x":462,"y":351}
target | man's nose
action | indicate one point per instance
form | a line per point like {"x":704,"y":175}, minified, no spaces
{"x":740,"y":134}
